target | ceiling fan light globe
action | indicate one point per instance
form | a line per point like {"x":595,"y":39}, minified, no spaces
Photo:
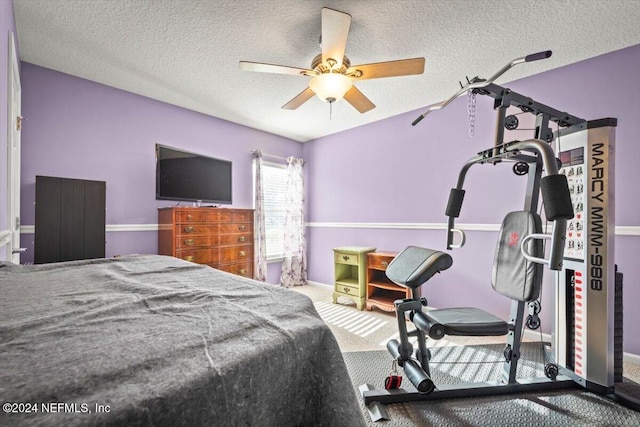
{"x":330,"y":86}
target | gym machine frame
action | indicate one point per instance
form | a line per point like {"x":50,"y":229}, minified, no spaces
{"x":583,"y":345}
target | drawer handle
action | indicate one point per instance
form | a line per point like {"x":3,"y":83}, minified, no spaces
{"x":243,"y":253}
{"x":242,"y":227}
{"x":189,"y":258}
{"x":242,"y":271}
{"x":242,"y":238}
{"x":189,"y":216}
{"x":385,"y":263}
{"x":347,"y":290}
{"x":346,"y":257}
{"x":189,"y":242}
{"x":188,"y":229}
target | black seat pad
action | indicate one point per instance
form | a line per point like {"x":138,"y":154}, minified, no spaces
{"x":468,"y":322}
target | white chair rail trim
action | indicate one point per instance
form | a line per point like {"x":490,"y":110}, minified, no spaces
{"x":621,"y":230}
{"x":31,"y":229}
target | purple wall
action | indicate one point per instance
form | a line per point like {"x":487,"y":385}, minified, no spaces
{"x":7,"y":25}
{"x":82,"y":129}
{"x":385,"y":172}
{"x":391,"y":172}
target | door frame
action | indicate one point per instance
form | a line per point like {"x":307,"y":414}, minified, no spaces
{"x":14,"y":123}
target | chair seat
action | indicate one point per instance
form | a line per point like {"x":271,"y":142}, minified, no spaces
{"x":468,"y":322}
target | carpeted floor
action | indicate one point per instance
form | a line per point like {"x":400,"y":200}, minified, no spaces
{"x":362,"y":336}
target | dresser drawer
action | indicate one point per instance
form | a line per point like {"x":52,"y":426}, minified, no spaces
{"x":199,"y":256}
{"x":342,"y":258}
{"x":235,"y":239}
{"x":242,"y":217}
{"x":379,"y":262}
{"x":236,"y":228}
{"x":190,"y":216}
{"x":219,"y":216}
{"x":187,"y":241}
{"x":235,"y":253}
{"x":241,"y":269}
{"x":192,"y":229}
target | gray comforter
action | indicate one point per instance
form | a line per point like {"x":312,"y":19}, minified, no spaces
{"x":153,"y":340}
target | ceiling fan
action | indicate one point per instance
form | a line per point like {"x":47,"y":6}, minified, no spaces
{"x":332,"y":74}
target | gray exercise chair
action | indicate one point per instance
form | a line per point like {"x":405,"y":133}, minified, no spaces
{"x":513,"y":276}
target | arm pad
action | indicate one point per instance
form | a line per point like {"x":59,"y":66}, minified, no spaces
{"x":455,"y":203}
{"x":556,"y":197}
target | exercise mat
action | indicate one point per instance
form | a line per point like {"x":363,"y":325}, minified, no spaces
{"x":458,"y":364}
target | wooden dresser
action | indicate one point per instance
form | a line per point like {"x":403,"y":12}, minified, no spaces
{"x":219,"y":237}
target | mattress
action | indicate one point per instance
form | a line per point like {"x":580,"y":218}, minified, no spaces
{"x":154,"y":340}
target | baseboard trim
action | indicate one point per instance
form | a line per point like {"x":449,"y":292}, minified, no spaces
{"x":319,"y":284}
{"x":535,"y":335}
{"x":631,"y":358}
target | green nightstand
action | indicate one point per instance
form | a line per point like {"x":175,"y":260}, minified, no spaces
{"x":350,"y":265}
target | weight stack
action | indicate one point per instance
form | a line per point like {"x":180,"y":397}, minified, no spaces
{"x":617,"y":334}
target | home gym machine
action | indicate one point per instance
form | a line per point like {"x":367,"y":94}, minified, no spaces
{"x":578,"y":197}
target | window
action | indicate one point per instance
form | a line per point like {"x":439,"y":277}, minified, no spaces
{"x":274,"y":178}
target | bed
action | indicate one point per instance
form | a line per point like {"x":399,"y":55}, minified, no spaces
{"x":154,"y":340}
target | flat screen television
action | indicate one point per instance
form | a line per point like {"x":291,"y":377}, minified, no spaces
{"x":185,"y":176}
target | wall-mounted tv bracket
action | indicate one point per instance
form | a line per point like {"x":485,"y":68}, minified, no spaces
{"x":505,"y":97}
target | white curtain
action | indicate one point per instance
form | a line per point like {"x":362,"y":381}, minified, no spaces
{"x":258,"y":227}
{"x":294,"y":264}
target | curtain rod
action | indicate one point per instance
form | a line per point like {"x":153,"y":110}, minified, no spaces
{"x":269,"y":155}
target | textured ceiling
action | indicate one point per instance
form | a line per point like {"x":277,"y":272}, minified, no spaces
{"x":186,"y":52}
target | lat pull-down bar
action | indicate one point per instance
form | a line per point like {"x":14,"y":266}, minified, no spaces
{"x":505,"y":97}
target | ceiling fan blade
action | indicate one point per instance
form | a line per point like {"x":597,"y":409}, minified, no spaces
{"x":335,"y":30}
{"x":299,"y":99}
{"x":272,"y":68}
{"x":403,"y":67}
{"x":358,"y":100}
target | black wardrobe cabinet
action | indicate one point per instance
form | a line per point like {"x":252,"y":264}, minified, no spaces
{"x":70,"y":219}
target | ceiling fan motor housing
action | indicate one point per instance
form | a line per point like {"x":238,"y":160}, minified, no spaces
{"x":322,"y":67}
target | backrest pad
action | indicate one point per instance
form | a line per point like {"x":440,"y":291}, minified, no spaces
{"x":513,"y":275}
{"x":414,"y":266}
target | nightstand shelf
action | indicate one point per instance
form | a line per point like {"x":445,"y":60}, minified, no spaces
{"x":383,"y":285}
{"x":380,"y":291}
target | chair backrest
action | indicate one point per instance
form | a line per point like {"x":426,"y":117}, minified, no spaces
{"x":513,"y":275}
